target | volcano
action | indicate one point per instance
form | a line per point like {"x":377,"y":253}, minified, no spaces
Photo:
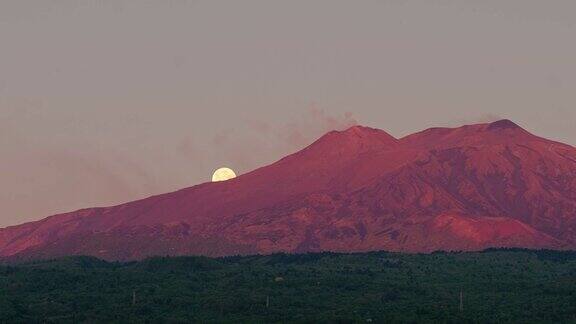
{"x":466,"y":188}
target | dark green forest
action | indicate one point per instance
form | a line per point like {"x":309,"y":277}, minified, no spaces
{"x":519,"y":286}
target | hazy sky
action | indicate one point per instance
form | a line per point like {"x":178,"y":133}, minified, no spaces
{"x":107,"y":101}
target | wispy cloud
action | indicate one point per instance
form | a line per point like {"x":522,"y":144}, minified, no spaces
{"x":484,"y":118}
{"x":267,"y":142}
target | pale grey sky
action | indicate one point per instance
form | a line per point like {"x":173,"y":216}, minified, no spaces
{"x":107,"y":101}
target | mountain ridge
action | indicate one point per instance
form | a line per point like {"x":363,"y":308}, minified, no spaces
{"x":465,"y":188}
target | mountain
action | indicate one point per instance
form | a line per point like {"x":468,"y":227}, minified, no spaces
{"x":466,"y":188}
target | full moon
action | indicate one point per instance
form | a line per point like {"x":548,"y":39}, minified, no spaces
{"x":223,"y":174}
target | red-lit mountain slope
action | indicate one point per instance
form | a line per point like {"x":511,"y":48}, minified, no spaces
{"x":466,"y":188}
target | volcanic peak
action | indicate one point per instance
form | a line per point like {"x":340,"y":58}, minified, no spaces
{"x":357,"y":139}
{"x":503,"y":124}
{"x":360,"y":189}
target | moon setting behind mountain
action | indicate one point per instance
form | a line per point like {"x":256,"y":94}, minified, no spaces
{"x":466,"y":188}
{"x":223,"y":174}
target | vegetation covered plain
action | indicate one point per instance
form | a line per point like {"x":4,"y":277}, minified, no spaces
{"x":495,"y":285}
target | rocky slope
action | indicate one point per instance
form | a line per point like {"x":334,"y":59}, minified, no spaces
{"x":466,"y":188}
